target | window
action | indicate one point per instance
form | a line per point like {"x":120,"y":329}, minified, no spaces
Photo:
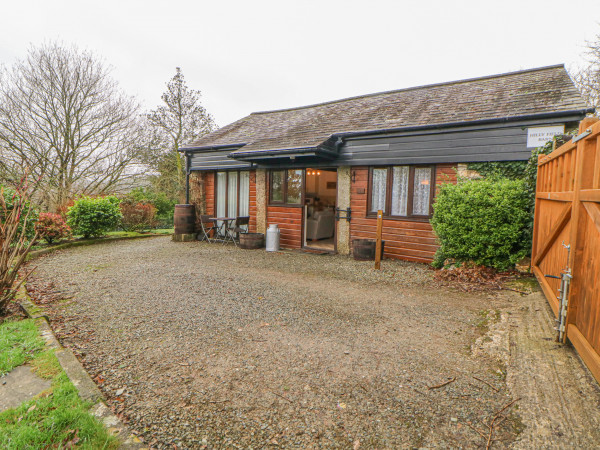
{"x":402,"y":191}
{"x":232,"y":194}
{"x":286,"y":186}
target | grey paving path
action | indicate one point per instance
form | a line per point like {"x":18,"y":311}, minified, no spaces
{"x":20,"y":385}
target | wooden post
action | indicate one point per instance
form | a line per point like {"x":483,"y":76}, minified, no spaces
{"x":585,"y":155}
{"x":378,"y":239}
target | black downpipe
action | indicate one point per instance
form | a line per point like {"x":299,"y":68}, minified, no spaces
{"x":187,"y":178}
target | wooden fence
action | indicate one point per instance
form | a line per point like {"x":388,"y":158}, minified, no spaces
{"x":567,"y":235}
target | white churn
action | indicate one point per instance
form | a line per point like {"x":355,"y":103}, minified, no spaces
{"x":273,"y":238}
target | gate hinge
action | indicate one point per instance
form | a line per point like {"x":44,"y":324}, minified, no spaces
{"x":347,"y":212}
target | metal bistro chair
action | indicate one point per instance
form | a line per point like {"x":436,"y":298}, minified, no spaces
{"x":234,"y":231}
{"x":207,"y":225}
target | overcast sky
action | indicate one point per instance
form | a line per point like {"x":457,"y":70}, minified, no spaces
{"x":250,"y":56}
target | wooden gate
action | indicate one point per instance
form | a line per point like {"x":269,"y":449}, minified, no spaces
{"x":567,"y":213}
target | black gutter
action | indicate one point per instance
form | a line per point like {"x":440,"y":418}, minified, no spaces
{"x":278,"y":152}
{"x":210,"y":148}
{"x":468,"y":123}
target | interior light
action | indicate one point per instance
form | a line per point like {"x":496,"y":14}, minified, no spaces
{"x":318,"y":173}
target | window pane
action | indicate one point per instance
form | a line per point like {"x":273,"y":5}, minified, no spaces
{"x":400,"y":190}
{"x":379,"y":190}
{"x":277,"y":185}
{"x":232,"y":194}
{"x":221,"y":193}
{"x":294,"y":186}
{"x":422,"y":191}
{"x":244,"y":194}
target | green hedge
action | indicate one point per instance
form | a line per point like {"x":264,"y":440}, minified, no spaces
{"x":482,"y":221}
{"x":92,"y":217}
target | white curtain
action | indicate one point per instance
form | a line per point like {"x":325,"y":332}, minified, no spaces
{"x":422,"y":191}
{"x":400,"y":190}
{"x":221,"y":193}
{"x":379,"y":190}
{"x":232,"y":194}
{"x":244,"y":194}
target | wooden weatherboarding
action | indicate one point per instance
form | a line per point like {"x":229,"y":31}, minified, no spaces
{"x":566,"y":237}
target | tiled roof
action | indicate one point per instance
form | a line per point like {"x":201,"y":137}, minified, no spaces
{"x":515,"y":94}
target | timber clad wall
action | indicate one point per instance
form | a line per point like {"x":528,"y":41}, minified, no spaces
{"x":209,"y":186}
{"x":289,"y":220}
{"x":252,"y":210}
{"x":407,"y":239}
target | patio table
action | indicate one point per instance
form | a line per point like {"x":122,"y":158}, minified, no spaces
{"x":224,"y":225}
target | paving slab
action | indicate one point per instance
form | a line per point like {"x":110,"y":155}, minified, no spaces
{"x":20,"y":385}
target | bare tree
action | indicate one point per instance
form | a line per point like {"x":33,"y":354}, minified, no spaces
{"x":178,"y":121}
{"x":588,"y":78}
{"x":64,"y":118}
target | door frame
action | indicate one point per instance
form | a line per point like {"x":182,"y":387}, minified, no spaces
{"x":305,"y":212}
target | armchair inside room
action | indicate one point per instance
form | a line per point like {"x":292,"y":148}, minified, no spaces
{"x":321,"y":225}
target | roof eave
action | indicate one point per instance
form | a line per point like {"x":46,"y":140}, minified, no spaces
{"x":576,"y":112}
{"x":251,"y":155}
{"x":208,"y":148}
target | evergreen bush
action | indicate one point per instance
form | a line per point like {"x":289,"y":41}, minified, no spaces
{"x":93,"y":217}
{"x":482,"y":221}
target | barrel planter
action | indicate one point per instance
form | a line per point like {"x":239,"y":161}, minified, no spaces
{"x":185,"y":219}
{"x":252,"y":241}
{"x":364,"y":249}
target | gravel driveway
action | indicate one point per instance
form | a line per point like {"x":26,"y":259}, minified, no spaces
{"x":203,"y":345}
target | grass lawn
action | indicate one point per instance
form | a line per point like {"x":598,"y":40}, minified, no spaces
{"x":56,"y":418}
{"x":79,"y":240}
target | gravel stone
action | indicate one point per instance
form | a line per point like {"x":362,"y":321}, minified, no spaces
{"x":200,"y":345}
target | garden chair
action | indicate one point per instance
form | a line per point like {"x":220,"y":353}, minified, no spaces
{"x":208,"y":225}
{"x":237,"y":228}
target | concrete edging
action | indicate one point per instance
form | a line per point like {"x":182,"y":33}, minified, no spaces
{"x":86,"y":387}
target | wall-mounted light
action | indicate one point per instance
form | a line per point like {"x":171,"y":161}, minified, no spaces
{"x":318,"y":173}
{"x":354,"y":176}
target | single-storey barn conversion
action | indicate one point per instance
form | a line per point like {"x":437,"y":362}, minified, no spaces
{"x":321,"y":172}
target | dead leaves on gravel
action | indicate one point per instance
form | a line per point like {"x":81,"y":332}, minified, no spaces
{"x":470,"y":278}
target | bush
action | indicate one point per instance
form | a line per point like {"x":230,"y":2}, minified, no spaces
{"x":137,"y":216}
{"x":16,"y":214}
{"x":94,"y":216}
{"x":52,"y":227}
{"x":482,"y":221}
{"x":165,"y":207}
{"x":13,"y":198}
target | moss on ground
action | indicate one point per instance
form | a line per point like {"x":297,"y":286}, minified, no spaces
{"x":56,"y":418}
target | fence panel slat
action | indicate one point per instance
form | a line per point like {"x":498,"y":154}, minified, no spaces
{"x":567,"y":209}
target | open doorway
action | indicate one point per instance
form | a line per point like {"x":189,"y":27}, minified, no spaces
{"x":319,"y":209}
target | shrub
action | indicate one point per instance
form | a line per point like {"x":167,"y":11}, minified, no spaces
{"x":52,"y":227}
{"x":19,"y":197}
{"x":137,"y":216}
{"x":164,"y":206}
{"x":16,"y":213}
{"x":482,"y":221}
{"x":94,"y":216}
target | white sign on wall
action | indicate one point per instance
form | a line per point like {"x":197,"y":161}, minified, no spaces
{"x":538,"y":136}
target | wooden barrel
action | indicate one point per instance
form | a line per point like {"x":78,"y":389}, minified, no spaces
{"x":364,"y":249}
{"x":185,"y":219}
{"x":252,"y":241}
